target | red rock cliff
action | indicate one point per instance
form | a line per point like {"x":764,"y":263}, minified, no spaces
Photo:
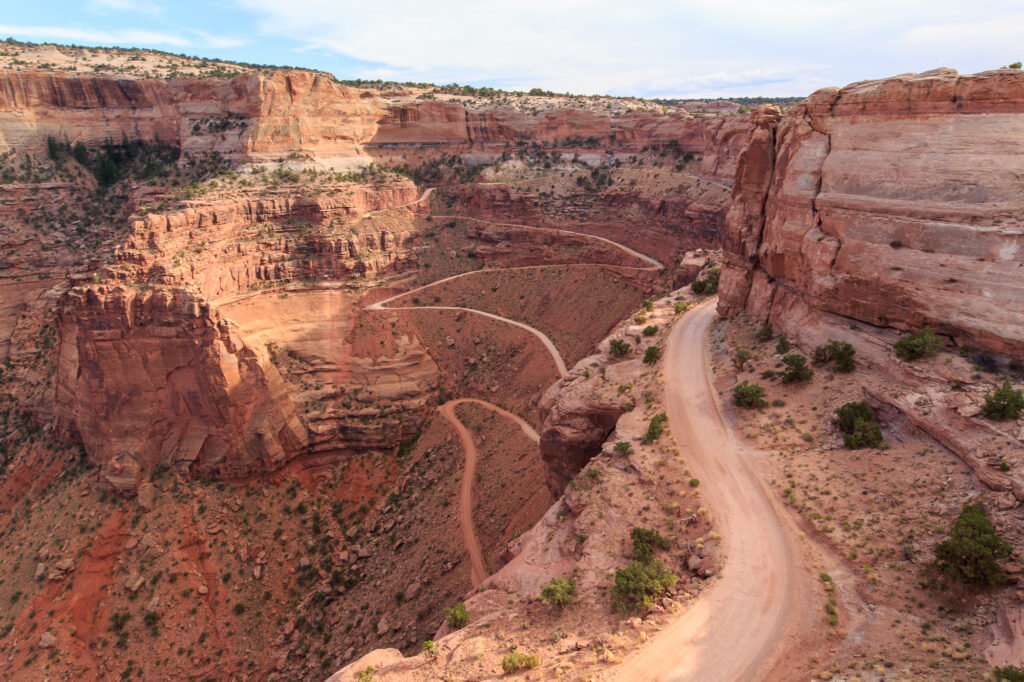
{"x":896,"y":202}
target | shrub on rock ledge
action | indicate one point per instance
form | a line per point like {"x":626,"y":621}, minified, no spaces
{"x":618,"y":348}
{"x":1004,"y":403}
{"x":559,"y":593}
{"x":457,"y":616}
{"x":921,"y":344}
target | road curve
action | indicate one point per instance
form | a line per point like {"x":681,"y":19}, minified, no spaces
{"x":743,"y":625}
{"x":477,"y":572}
{"x":653,"y":264}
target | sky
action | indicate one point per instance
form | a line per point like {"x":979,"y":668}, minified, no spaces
{"x":647,"y":48}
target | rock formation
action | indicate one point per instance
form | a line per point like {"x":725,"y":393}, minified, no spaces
{"x":894,"y":202}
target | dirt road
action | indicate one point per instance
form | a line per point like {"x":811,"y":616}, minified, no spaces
{"x":477,"y":571}
{"x":745,"y":625}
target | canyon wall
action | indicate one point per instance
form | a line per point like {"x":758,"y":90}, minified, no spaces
{"x":895,"y":202}
{"x":432,"y":125}
{"x":293,"y":114}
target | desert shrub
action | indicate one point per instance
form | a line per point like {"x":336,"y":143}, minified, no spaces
{"x":652,"y":354}
{"x":367,"y":674}
{"x":1008,"y":673}
{"x":783,"y":345}
{"x":618,"y":348}
{"x":858,"y":426}
{"x":741,"y":357}
{"x":645,"y":540}
{"x":681,"y":306}
{"x":765,"y":333}
{"x":624,"y":448}
{"x":559,"y":593}
{"x":514,"y":661}
{"x":457,"y":616}
{"x":971,"y":554}
{"x":655,"y":428}
{"x":820,"y":355}
{"x":429,"y":649}
{"x":650,"y":330}
{"x":647,"y":305}
{"x":1004,"y":403}
{"x":639,"y":584}
{"x":748,"y":395}
{"x":708,"y":285}
{"x":920,"y":344}
{"x":841,"y":353}
{"x":797,"y":369}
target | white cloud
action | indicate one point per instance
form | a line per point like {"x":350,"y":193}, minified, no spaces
{"x":124,"y":38}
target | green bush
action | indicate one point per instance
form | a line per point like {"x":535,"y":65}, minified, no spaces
{"x":639,"y":584}
{"x":841,"y":353}
{"x":971,"y":554}
{"x":624,"y":448}
{"x":748,"y":395}
{"x":618,"y":348}
{"x":921,"y":344}
{"x":783,"y":345}
{"x":645,"y":540}
{"x":741,"y":357}
{"x":655,"y":427}
{"x":1004,"y":403}
{"x":1008,"y":673}
{"x":559,"y":593}
{"x":647,"y":305}
{"x":652,"y":354}
{"x":708,"y":285}
{"x":514,"y":661}
{"x":858,"y":426}
{"x":650,"y":330}
{"x":765,"y":333}
{"x":797,"y":369}
{"x":457,"y":616}
{"x":366,"y":675}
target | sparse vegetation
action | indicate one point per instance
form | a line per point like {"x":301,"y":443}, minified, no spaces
{"x":971,"y":554}
{"x":652,"y":355}
{"x":1003,"y":403}
{"x":457,"y":616}
{"x":559,"y":593}
{"x":618,"y":348}
{"x":797,"y":370}
{"x":639,"y":584}
{"x":920,"y":344}
{"x":514,"y":661}
{"x":709,"y":284}
{"x":857,"y":424}
{"x":655,"y":428}
{"x":765,"y":333}
{"x":748,"y":395}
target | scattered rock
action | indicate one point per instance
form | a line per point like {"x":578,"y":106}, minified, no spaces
{"x":48,"y":640}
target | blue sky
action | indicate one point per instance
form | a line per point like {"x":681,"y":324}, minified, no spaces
{"x":652,"y":48}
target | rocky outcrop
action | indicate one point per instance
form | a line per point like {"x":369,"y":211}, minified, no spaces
{"x":453,"y":128}
{"x":251,"y":116}
{"x":895,"y":202}
{"x":156,"y":378}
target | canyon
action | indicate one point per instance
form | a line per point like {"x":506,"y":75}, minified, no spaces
{"x":293,"y":366}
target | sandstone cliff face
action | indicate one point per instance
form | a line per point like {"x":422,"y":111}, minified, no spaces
{"x":190,"y":353}
{"x":264,"y":116}
{"x":433,"y":125}
{"x":895,"y":202}
{"x":159,"y":379}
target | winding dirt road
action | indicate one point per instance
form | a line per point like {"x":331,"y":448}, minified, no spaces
{"x":745,"y":625}
{"x":477,"y":573}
